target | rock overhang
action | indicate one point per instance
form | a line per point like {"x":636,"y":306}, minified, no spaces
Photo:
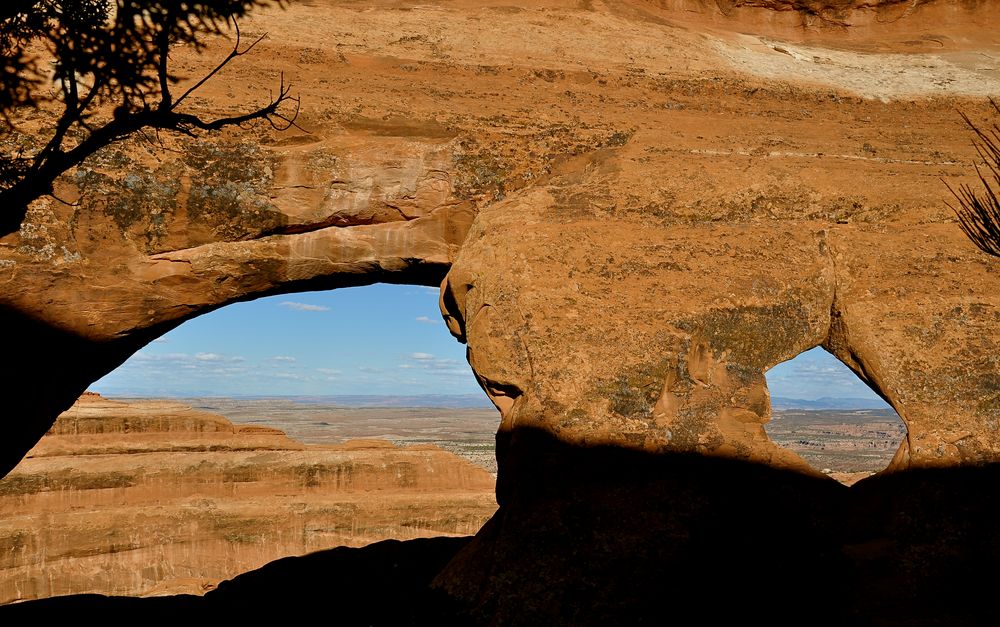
{"x":711,"y":219}
{"x":647,"y":209}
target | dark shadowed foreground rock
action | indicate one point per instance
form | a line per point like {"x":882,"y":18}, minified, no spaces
{"x":613,"y":536}
{"x":623,"y":537}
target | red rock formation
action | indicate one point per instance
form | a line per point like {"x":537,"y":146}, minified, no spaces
{"x":156,"y":498}
{"x":388,"y":192}
{"x":666,"y":203}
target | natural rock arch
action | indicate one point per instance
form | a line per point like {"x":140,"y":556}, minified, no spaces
{"x":665,"y":363}
{"x":819,"y":412}
{"x":638,"y":222}
{"x":156,"y":239}
{"x":112,"y":287}
{"x":702,"y":351}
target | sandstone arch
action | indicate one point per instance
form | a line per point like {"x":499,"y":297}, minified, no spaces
{"x":157,"y":238}
{"x":94,"y":286}
{"x":821,"y":411}
{"x":663,"y":207}
{"x":662,"y":362}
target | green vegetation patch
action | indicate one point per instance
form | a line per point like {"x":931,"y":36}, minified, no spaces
{"x":755,"y":337}
{"x":634,"y":391}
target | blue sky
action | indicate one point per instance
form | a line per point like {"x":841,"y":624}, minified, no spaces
{"x":381,"y":339}
{"x":815,"y":374}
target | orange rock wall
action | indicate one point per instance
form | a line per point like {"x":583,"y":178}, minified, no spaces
{"x":181,"y":499}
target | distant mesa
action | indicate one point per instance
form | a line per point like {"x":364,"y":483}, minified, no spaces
{"x":370,"y":401}
{"x":828,"y":402}
{"x":156,"y":497}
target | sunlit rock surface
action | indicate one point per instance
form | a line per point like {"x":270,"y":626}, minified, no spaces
{"x":154,"y":497}
{"x":643,"y":206}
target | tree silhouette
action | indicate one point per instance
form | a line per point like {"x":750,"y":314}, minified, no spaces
{"x":979,"y":211}
{"x":100,"y":69}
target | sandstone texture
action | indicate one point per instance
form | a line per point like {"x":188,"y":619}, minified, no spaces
{"x":151,"y":498}
{"x":640,"y":208}
{"x":665,"y":182}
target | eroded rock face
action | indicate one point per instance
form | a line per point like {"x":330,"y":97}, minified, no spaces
{"x":154,"y":497}
{"x":159,"y":238}
{"x":673,"y":328}
{"x":408,"y":138}
{"x":667,"y":202}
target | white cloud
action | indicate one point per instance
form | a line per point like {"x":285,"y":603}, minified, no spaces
{"x":229,"y":370}
{"x":283,"y":358}
{"x":427,"y":320}
{"x":814,"y":374}
{"x":157,"y":365}
{"x":302,"y":306}
{"x":143,"y":356}
{"x":369,"y":369}
{"x":438,"y":366}
{"x":331,"y":374}
{"x":161,"y":340}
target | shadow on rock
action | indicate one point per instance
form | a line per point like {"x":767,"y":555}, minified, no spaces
{"x":386,"y":583}
{"x":610,"y":536}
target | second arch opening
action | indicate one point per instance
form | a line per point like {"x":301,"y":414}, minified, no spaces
{"x":828,"y":416}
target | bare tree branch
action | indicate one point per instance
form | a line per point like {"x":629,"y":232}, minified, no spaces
{"x":232,"y":55}
{"x":124,"y":56}
{"x":978,"y":212}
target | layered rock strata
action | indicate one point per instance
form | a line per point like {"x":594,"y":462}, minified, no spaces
{"x":662,"y":121}
{"x":154,"y":497}
{"x":643,"y":206}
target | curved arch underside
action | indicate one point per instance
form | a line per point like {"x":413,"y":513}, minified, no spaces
{"x":637,"y":208}
{"x":641,"y":242}
{"x":623,"y":277}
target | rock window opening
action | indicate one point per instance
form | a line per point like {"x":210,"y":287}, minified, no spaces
{"x":824,"y":413}
{"x":282,"y":426}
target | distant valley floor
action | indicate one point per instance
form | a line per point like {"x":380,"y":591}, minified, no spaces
{"x":851,"y":442}
{"x":468,"y":432}
{"x":846,"y":444}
